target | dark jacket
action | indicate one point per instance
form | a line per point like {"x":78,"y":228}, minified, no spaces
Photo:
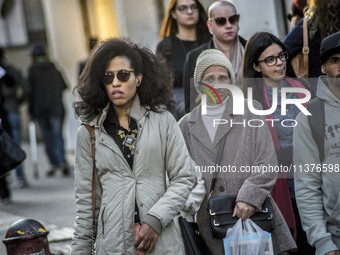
{"x":190,"y":93}
{"x":175,"y":50}
{"x":47,"y":85}
{"x":14,"y":89}
{"x":294,"y":43}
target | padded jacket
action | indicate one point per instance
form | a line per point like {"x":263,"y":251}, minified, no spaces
{"x":160,"y":183}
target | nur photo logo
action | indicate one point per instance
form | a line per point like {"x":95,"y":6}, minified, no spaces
{"x":238,"y":99}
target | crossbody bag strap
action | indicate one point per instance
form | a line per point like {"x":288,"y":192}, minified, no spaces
{"x":93,"y":148}
{"x":218,"y":162}
{"x":305,"y":49}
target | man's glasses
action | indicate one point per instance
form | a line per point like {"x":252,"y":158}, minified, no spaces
{"x":221,"y":21}
{"x":272,"y":60}
{"x":123,"y":75}
{"x":185,"y":8}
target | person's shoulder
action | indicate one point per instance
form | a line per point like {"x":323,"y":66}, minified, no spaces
{"x":242,"y":40}
{"x":302,"y":121}
{"x":82,"y":131}
{"x":195,"y":52}
{"x":184,"y":120}
{"x":302,"y":83}
{"x":159,"y":113}
{"x":297,"y":30}
{"x":165,"y":45}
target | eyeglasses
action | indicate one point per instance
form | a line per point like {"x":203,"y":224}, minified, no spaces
{"x":221,"y":21}
{"x":123,"y":75}
{"x":272,"y":60}
{"x":185,"y":8}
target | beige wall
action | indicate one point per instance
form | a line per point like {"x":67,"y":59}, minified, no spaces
{"x":67,"y":47}
{"x":138,"y":21}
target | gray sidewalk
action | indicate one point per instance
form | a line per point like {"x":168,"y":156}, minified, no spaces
{"x":47,"y":200}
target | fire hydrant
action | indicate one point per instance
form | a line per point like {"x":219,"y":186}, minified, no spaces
{"x":27,"y":237}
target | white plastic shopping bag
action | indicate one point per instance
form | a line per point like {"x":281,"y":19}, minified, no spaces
{"x":246,"y":238}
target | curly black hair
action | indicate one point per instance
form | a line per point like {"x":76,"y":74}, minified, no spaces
{"x":154,"y":92}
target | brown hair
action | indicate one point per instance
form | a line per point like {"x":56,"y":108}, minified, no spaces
{"x":169,"y":25}
{"x":323,"y":17}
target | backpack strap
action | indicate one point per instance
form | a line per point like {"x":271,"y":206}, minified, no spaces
{"x":305,"y":49}
{"x":316,"y":122}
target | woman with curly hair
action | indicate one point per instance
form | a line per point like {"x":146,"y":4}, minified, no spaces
{"x":323,"y":20}
{"x":143,"y":169}
{"x":184,"y":28}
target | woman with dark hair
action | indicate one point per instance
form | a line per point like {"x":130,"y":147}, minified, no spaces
{"x":143,"y":169}
{"x":265,"y":70}
{"x":184,"y":28}
{"x":322,"y":20}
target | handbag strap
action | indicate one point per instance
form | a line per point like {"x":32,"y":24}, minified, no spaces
{"x":93,"y":144}
{"x":218,"y":162}
{"x":305,"y":49}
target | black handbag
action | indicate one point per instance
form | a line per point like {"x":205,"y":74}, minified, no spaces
{"x":11,"y":155}
{"x":221,"y":208}
{"x":194,"y":244}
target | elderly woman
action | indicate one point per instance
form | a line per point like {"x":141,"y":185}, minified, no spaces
{"x":244,"y":146}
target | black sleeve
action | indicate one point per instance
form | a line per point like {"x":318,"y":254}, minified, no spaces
{"x":159,"y":48}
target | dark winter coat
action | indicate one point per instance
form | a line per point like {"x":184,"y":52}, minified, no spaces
{"x":46,"y":85}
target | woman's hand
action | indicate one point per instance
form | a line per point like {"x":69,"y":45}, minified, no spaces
{"x":243,"y":210}
{"x":146,"y":239}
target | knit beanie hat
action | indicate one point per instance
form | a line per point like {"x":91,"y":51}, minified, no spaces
{"x":211,"y":57}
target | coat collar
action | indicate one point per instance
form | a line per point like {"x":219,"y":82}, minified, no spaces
{"x":198,"y":130}
{"x":136,"y":112}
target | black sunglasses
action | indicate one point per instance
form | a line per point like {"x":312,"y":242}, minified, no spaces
{"x":221,"y":21}
{"x":123,"y":75}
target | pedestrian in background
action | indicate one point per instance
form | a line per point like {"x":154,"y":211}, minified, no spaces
{"x":265,"y":69}
{"x":244,"y":146}
{"x":14,"y":92}
{"x":144,"y":173}
{"x":46,"y":106}
{"x":322,"y":20}
{"x":296,"y":12}
{"x":184,"y":29}
{"x":5,"y":193}
{"x":223,"y":24}
{"x":318,"y":191}
{"x":92,"y":43}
